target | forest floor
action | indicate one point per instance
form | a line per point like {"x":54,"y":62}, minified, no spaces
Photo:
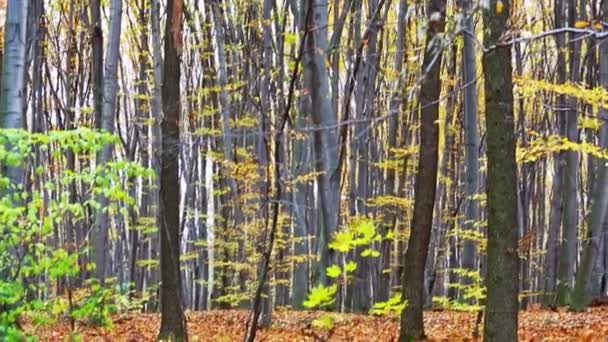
{"x":229,"y":325}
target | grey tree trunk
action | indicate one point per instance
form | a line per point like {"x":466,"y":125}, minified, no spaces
{"x":568,"y":250}
{"x":107,"y":123}
{"x":13,"y":70}
{"x":392,"y":184}
{"x":582,"y":293}
{"x":471,"y":138}
{"x":553,"y":240}
{"x":325,"y":139}
{"x":503,"y":262}
{"x":13,"y":66}
{"x":301,"y":166}
{"x":265,"y":115}
{"x":362,"y":298}
{"x":155,"y":146}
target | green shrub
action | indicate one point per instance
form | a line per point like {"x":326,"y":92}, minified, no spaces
{"x":32,"y":258}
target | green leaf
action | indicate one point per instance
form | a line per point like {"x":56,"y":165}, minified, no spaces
{"x":395,"y":305}
{"x":325,"y":322}
{"x":343,"y":242}
{"x":321,"y":296}
{"x":334,"y":271}
{"x":370,"y":252}
{"x":350,"y":266}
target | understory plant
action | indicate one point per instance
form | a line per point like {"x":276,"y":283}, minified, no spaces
{"x":36,"y":209}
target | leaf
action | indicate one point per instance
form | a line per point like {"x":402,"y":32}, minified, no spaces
{"x":370,"y":252}
{"x":500,"y":7}
{"x":325,"y":321}
{"x":598,"y":25}
{"x":334,"y":271}
{"x":590,"y":123}
{"x":395,"y":305}
{"x":350,"y":266}
{"x":342,"y":242}
{"x":321,"y":296}
{"x":581,"y":24}
{"x":290,"y":38}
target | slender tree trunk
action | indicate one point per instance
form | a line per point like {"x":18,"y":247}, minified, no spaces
{"x":583,"y":293}
{"x":13,"y":68}
{"x":173,"y":321}
{"x":502,"y":278}
{"x":412,"y":326}
{"x":397,"y":102}
{"x":263,"y":144}
{"x":13,"y":71}
{"x":553,"y":241}
{"x":107,"y":123}
{"x":155,"y":139}
{"x":97,"y":60}
{"x":569,"y":246}
{"x":471,"y":139}
{"x":325,"y":139}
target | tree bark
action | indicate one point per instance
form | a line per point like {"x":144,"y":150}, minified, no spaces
{"x":173,"y":321}
{"x":471,"y":138}
{"x":412,"y":325}
{"x":13,"y":66}
{"x":569,"y":245}
{"x":582,"y":293}
{"x":97,"y":60}
{"x":325,"y":139}
{"x":502,"y":278}
{"x":107,"y":123}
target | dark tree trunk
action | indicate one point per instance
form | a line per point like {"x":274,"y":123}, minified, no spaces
{"x":173,"y":321}
{"x":412,"y":326}
{"x":97,"y":60}
{"x":502,"y":278}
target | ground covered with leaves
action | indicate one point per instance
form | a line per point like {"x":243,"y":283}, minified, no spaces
{"x":229,"y":325}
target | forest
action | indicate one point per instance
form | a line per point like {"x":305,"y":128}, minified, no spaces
{"x":304,"y":170}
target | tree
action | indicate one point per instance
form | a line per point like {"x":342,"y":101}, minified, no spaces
{"x":325,"y":138}
{"x":570,"y":218}
{"x":96,"y":33}
{"x":502,"y":278}
{"x":584,"y":286}
{"x":412,"y":325}
{"x":13,"y":71}
{"x":13,"y":64}
{"x":173,"y":321}
{"x":397,"y":103}
{"x":107,"y":123}
{"x":472,"y":185}
{"x":555,"y":217}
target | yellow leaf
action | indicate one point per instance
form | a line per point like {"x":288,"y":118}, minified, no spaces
{"x":581,"y":24}
{"x":500,"y":6}
{"x":598,"y":25}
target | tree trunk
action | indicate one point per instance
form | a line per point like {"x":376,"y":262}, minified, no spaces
{"x":553,"y":241}
{"x":502,"y":278}
{"x":97,"y":60}
{"x":397,"y":102}
{"x":471,"y":139}
{"x":568,"y":250}
{"x":323,"y":116}
{"x":412,"y":326}
{"x":173,"y":321}
{"x":107,"y":123}
{"x":582,"y":293}
{"x":13,"y":67}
